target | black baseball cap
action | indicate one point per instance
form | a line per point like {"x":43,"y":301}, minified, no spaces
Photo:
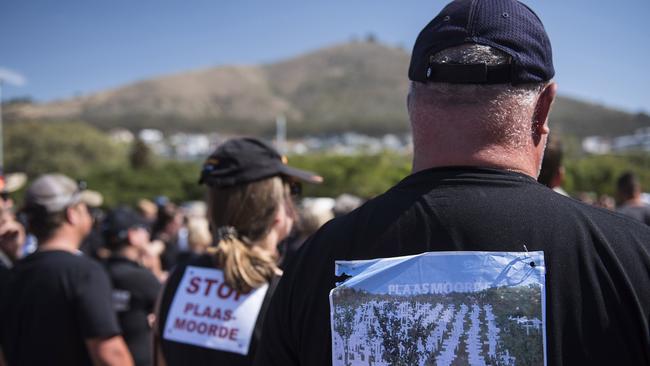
{"x":120,"y":220}
{"x":506,"y":25}
{"x":245,"y":160}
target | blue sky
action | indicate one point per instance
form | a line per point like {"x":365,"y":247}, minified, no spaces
{"x":70,"y":47}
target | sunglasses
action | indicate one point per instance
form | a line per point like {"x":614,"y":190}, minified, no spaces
{"x":75,"y":197}
{"x":295,"y":188}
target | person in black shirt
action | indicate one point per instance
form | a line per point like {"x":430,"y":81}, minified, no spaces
{"x":212,"y":308}
{"x":628,"y":189}
{"x":166,"y":228}
{"x":478,"y":105}
{"x":135,"y":288}
{"x":57,"y":306}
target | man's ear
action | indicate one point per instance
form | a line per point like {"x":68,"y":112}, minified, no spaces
{"x":70,"y":215}
{"x":542,"y":110}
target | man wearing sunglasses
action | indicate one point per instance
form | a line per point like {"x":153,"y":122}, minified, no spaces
{"x":57,"y":305}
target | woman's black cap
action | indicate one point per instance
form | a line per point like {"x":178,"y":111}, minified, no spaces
{"x":245,"y":160}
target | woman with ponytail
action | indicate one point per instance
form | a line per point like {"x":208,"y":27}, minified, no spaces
{"x":212,"y":309}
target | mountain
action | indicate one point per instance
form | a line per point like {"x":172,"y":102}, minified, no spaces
{"x":358,"y":86}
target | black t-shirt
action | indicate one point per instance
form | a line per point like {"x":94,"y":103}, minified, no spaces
{"x":4,"y":278}
{"x":54,"y":301}
{"x":177,"y":353}
{"x":597,"y":262}
{"x":641,"y":213}
{"x":169,"y":256}
{"x":135,"y":290}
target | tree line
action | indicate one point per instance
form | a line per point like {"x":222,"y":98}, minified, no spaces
{"x":126,"y":172}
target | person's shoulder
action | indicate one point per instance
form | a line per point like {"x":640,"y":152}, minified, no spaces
{"x":83,"y":261}
{"x":121,"y":264}
{"x":204,"y":260}
{"x":125,"y":268}
{"x":78,"y":265}
{"x":59,"y":258}
{"x":607,"y":220}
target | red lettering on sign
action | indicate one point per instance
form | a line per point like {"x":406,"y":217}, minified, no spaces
{"x":189,"y":307}
{"x":191,"y":326}
{"x":210,"y":282}
{"x":213,"y":330}
{"x":223,"y":332}
{"x":233,"y":334}
{"x":206,"y":313}
{"x":202,"y":328}
{"x":194,"y":285}
{"x":239,"y":294}
{"x":179,"y":323}
{"x":224,"y":291}
{"x":227,"y":315}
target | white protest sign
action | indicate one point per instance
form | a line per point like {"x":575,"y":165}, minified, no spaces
{"x":206,"y":312}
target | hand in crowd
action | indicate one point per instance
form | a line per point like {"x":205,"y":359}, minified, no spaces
{"x":12,"y":238}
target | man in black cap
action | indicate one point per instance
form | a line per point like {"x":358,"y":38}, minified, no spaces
{"x":135,"y":288}
{"x":480,"y":96}
{"x":57,"y":306}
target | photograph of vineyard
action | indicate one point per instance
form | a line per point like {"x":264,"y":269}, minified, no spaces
{"x":496,"y":326}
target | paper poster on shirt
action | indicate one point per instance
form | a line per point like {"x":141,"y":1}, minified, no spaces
{"x":206,"y":312}
{"x":440,"y":308}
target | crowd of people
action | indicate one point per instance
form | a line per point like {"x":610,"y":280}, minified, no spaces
{"x":101,"y":273}
{"x":241,"y":279}
{"x":630,"y":199}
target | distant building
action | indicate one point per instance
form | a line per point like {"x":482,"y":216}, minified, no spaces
{"x":191,"y":146}
{"x":639,"y":141}
{"x":155,"y":140}
{"x":351,"y":143}
{"x":121,"y":135}
{"x":596,"y":145}
{"x":151,"y":136}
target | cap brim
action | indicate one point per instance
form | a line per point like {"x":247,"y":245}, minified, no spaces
{"x":91,"y":198}
{"x":14,"y":181}
{"x":302,"y":175}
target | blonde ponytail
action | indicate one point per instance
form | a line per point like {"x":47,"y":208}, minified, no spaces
{"x":241,"y":216}
{"x":244,"y":267}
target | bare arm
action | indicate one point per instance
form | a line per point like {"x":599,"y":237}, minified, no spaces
{"x":158,"y":357}
{"x":109,"y":351}
{"x":2,"y":358}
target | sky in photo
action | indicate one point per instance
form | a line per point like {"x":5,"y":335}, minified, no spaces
{"x":53,"y":49}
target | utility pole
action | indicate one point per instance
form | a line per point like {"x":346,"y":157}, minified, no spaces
{"x":281,"y":134}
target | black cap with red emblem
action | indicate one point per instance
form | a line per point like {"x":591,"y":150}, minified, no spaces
{"x":245,"y":160}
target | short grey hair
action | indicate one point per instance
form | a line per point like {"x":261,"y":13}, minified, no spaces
{"x":502,"y":107}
